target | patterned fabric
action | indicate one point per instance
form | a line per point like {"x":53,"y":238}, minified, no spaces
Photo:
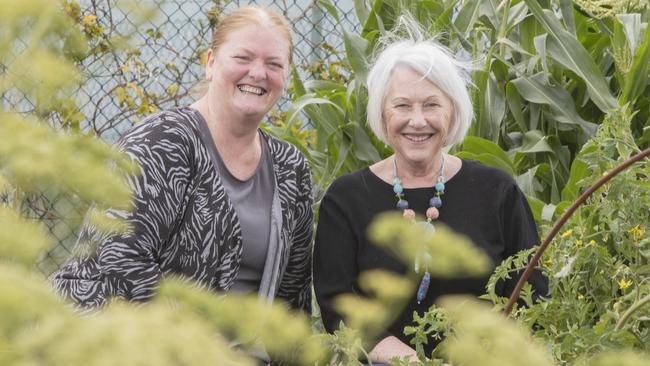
{"x":182,"y":221}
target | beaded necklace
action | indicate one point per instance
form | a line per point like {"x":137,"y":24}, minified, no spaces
{"x":432,"y":214}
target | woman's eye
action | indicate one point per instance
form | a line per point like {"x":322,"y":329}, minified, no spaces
{"x":276,"y":65}
{"x":241,"y":57}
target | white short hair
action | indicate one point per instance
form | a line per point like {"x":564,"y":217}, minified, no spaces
{"x":436,"y":63}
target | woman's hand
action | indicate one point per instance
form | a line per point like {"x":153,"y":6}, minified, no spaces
{"x":390,"y":347}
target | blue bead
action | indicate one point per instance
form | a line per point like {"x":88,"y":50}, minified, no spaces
{"x":435,"y":202}
{"x":397,"y":188}
{"x":440,"y":187}
{"x":424,"y":287}
{"x":402,"y":204}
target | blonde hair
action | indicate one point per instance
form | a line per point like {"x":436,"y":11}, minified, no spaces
{"x":250,"y":15}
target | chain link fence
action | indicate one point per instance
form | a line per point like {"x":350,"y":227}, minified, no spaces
{"x":160,"y":71}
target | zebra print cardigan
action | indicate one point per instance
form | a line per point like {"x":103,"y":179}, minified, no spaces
{"x":183,"y":223}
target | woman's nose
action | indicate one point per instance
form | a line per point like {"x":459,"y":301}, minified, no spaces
{"x":417,"y":118}
{"x":257,"y":71}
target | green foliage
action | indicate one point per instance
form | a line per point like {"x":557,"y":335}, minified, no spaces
{"x":20,"y":240}
{"x":433,"y":325}
{"x":60,"y":161}
{"x":126,"y":335}
{"x":598,"y":266}
{"x":483,"y":337}
{"x":368,"y":316}
{"x":284,"y":334}
{"x":455,"y":255}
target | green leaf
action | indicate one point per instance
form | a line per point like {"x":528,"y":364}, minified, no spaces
{"x":566,"y":7}
{"x":329,"y":7}
{"x":495,"y":106}
{"x":355,"y":50}
{"x":467,"y":16}
{"x":527,"y":181}
{"x":323,"y":85}
{"x":548,"y":211}
{"x":298,"y":87}
{"x":636,"y":80}
{"x":537,"y":90}
{"x":632,"y":28}
{"x":579,"y":170}
{"x":517,"y":14}
{"x":565,"y":49}
{"x":535,"y":142}
{"x":361,"y":8}
{"x":309,"y":100}
{"x":363,"y":148}
{"x":443,"y":21}
{"x":536,"y":205}
{"x":540,"y":46}
{"x":478,"y":145}
{"x":515,"y":106}
{"x":487,"y":159}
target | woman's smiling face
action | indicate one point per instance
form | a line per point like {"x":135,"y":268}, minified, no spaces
{"x":248,"y":71}
{"x":417,"y":116}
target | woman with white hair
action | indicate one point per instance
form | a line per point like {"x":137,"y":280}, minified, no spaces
{"x":418,"y":104}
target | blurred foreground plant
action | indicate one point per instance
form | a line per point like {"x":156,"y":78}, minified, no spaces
{"x":38,"y":328}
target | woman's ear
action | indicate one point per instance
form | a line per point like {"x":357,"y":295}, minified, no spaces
{"x":208,"y":64}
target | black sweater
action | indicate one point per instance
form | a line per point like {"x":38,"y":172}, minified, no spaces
{"x":480,"y":202}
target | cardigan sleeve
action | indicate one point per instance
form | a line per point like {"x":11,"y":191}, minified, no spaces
{"x":126,"y":265}
{"x":295,"y":286}
{"x":519,"y":233}
{"x":335,"y":255}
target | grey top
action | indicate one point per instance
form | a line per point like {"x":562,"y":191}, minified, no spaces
{"x":252,"y":199}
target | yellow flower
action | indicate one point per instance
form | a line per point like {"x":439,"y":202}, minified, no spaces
{"x":548,"y":262}
{"x":592,"y":243}
{"x":636,"y":232}
{"x":89,"y":19}
{"x":578,"y":243}
{"x":624,"y":284}
{"x":566,"y":233}
{"x":581,"y":297}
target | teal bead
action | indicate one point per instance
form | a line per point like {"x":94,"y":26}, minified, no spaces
{"x":397,"y":188}
{"x":440,"y":187}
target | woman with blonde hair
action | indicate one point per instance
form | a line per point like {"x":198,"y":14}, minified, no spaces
{"x":217,"y":200}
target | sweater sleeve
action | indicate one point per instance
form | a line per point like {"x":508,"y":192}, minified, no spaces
{"x":520,"y":233}
{"x":296,"y":282}
{"x":126,"y":265}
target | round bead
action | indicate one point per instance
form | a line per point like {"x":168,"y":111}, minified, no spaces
{"x":402,"y":204}
{"x":440,"y":187}
{"x":435,"y":202}
{"x":433,"y":213}
{"x":397,"y":188}
{"x":409,"y":214}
